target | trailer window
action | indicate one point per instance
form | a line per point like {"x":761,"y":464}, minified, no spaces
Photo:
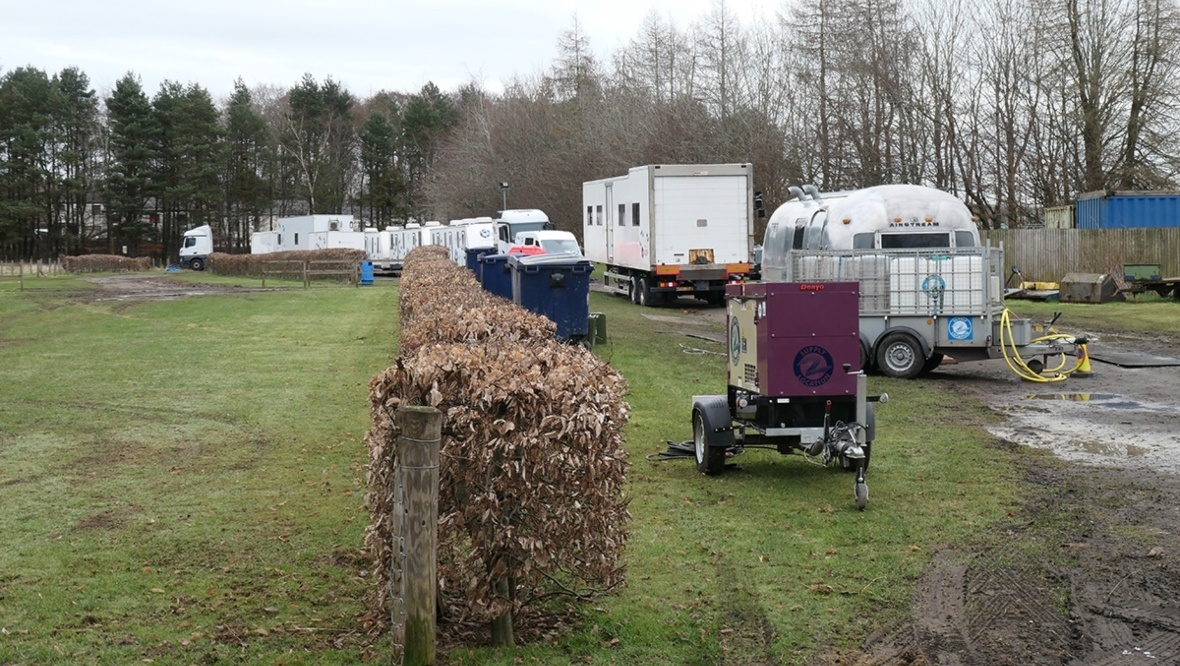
{"x":622,"y":214}
{"x":914,"y":241}
{"x":964,"y":239}
{"x":800,"y":227}
{"x":862,"y":241}
{"x":589,"y":216}
{"x":635,"y":214}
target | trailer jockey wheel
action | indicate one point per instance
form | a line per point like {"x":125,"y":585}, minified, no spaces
{"x":710,"y":459}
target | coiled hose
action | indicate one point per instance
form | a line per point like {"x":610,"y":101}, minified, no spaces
{"x":1019,"y":366}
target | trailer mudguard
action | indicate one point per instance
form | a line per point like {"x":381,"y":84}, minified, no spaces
{"x":718,"y":421}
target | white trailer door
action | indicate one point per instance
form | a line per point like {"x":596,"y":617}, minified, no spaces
{"x":608,"y":221}
{"x":710,"y":212}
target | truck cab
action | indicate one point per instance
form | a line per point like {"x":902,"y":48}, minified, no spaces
{"x":196,"y":247}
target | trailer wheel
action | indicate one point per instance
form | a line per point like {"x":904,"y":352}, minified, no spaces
{"x":197,"y":264}
{"x":710,"y":459}
{"x":931,"y":363}
{"x":899,"y":355}
{"x":644,"y":293}
{"x":861,"y":490}
{"x":634,"y":290}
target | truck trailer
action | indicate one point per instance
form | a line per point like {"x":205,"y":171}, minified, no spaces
{"x":667,"y":230}
{"x":928,"y":289}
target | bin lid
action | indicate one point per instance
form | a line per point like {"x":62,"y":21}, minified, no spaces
{"x":549,"y":259}
{"x":493,"y":258}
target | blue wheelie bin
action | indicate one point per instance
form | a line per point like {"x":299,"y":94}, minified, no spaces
{"x":474,"y":255}
{"x":556,"y":286}
{"x":495,"y":275}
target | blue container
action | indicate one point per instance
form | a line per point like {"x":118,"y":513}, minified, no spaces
{"x":1127,"y":210}
{"x":556,"y":286}
{"x":473,"y":256}
{"x":366,"y":272}
{"x":495,"y":275}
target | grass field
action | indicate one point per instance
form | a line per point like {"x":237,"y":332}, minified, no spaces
{"x":182,"y":482}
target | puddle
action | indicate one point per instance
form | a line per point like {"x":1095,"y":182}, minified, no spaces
{"x":1107,"y":400}
{"x":1113,"y":449}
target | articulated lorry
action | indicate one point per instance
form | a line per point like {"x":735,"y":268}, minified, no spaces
{"x":928,"y":289}
{"x":668,"y":230}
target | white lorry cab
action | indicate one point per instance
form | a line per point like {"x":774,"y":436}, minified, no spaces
{"x":196,"y":247}
{"x":509,"y":223}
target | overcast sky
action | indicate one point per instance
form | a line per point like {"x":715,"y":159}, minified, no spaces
{"x":366,"y":45}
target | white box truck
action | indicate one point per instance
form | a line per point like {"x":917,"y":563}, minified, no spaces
{"x":666,"y":230}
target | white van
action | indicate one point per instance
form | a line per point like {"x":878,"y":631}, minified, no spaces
{"x":552,"y":241}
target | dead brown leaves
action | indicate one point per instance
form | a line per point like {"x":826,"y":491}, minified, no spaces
{"x":532,"y":459}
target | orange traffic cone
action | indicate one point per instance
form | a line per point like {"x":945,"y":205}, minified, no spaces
{"x":1083,"y":367}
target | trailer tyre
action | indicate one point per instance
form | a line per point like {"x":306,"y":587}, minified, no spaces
{"x":710,"y":459}
{"x":900,"y":355}
{"x":197,"y":264}
{"x":644,"y":295}
{"x":932,"y":363}
{"x":634,"y":290}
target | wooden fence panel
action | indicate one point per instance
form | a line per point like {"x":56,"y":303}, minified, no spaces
{"x":1048,"y":254}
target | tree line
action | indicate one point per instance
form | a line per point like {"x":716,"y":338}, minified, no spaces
{"x":1013,"y":105}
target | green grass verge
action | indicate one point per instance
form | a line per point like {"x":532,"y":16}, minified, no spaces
{"x":183,"y":482}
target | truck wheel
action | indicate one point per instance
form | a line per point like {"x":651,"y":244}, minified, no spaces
{"x":899,"y":355}
{"x":710,"y":459}
{"x":635,"y":290}
{"x":197,"y":264}
{"x":644,"y":293}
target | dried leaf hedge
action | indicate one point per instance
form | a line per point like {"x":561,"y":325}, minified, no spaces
{"x":251,"y":264}
{"x":105,"y":263}
{"x":532,"y":459}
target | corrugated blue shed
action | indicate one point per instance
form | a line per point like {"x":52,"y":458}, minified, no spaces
{"x":1127,"y":210}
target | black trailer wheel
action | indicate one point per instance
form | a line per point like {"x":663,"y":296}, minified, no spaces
{"x":197,"y":264}
{"x":644,"y":292}
{"x":899,"y":355}
{"x":635,"y":290}
{"x":710,"y":459}
{"x":931,"y":363}
{"x":715,"y":298}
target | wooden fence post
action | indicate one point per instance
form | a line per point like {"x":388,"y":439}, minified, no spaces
{"x":417,"y":455}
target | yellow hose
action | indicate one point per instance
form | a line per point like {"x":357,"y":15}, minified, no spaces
{"x":1019,"y":366}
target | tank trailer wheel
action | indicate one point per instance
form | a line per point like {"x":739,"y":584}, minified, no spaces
{"x":899,"y":355}
{"x":710,"y":459}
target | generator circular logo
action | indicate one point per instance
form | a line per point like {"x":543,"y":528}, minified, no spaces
{"x":959,"y":328}
{"x":735,"y":341}
{"x":485,"y":233}
{"x":813,"y":366}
